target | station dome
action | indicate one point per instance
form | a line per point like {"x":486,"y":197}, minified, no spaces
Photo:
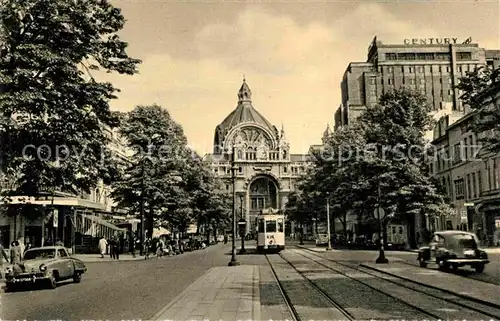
{"x":244,"y":113}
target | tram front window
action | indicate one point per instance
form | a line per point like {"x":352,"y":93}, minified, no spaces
{"x":280,"y":225}
{"x":270,"y":226}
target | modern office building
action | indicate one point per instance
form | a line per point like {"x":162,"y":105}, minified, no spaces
{"x":266,"y":172}
{"x":431,"y":65}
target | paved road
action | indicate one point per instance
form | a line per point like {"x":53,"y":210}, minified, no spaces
{"x":491,"y":273}
{"x":115,"y":290}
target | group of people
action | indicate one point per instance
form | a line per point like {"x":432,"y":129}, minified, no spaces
{"x":112,"y":244}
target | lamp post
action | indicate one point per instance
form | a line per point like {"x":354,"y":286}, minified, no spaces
{"x":234,"y":261}
{"x":243,"y":227}
{"x":381,"y":255}
{"x":329,"y":246}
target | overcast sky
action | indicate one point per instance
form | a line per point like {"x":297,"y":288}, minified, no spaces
{"x":293,"y":55}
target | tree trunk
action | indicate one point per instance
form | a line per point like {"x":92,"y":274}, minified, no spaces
{"x":215,"y":233}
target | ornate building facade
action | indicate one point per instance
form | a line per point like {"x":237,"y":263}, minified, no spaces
{"x":265,"y":171}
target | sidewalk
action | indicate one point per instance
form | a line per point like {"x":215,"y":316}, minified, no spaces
{"x":223,"y":293}
{"x":91,"y":258}
{"x":453,"y":284}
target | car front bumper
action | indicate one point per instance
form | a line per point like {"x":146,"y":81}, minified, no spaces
{"x":468,"y":261}
{"x":26,"y":278}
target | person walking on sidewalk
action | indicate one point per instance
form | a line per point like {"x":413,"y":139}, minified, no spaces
{"x":102,"y":246}
{"x":131,"y":243}
{"x":15,"y":253}
{"x":147,"y":245}
{"x":116,"y":247}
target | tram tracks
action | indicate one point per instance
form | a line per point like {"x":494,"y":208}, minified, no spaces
{"x":456,"y":301}
{"x":333,"y":311}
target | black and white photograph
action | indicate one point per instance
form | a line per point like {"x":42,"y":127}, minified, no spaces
{"x":250,"y":160}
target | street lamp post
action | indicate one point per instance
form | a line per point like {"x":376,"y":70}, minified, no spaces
{"x":381,"y":256}
{"x":329,"y":246}
{"x":243,"y":229}
{"x":234,"y":261}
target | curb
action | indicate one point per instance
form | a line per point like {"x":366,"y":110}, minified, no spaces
{"x":464,"y":296}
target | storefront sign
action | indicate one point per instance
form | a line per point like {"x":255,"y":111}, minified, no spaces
{"x":430,"y":41}
{"x":469,"y":204}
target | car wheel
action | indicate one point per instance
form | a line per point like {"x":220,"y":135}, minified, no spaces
{"x":479,"y":268}
{"x":52,"y":283}
{"x":442,"y":265}
{"x":9,"y":287}
{"x":77,"y":278}
{"x":422,"y":263}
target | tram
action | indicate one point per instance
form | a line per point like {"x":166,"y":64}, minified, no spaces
{"x":270,"y":231}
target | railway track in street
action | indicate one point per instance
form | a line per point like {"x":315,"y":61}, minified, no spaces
{"x":291,"y":298}
{"x":406,"y":289}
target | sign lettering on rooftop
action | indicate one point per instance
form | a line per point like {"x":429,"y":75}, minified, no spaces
{"x":434,"y":41}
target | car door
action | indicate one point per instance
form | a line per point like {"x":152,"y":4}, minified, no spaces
{"x":65,"y":263}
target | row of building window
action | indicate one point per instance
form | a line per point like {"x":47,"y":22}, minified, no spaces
{"x":427,"y":56}
{"x":421,"y":69}
{"x":465,"y":150}
{"x":471,"y":186}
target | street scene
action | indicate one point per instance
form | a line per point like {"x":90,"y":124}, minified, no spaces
{"x":315,"y":282}
{"x":249,"y":161}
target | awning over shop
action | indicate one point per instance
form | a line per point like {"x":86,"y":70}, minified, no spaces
{"x":57,"y":201}
{"x":157,"y":232}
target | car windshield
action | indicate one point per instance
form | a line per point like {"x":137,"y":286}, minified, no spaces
{"x":40,"y":254}
{"x":463,"y":241}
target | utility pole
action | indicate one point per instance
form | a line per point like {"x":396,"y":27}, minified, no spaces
{"x":381,"y":256}
{"x":234,"y":261}
{"x":329,"y":247}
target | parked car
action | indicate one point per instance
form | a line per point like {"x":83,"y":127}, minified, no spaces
{"x":45,"y":265}
{"x":453,"y":249}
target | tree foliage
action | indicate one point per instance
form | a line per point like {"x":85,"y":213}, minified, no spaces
{"x":380,"y":159}
{"x":52,"y":111}
{"x":172,"y":181}
{"x":477,"y":87}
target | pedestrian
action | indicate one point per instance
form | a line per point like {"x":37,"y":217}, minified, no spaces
{"x":15,"y":253}
{"x":116,"y":247}
{"x":22,"y":247}
{"x":102,"y":246}
{"x":111,"y":248}
{"x":132,"y":244}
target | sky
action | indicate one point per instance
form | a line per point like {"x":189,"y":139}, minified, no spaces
{"x":293,"y":55}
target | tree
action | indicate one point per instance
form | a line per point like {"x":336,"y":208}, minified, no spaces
{"x":52,"y":111}
{"x":394,"y":128}
{"x":476,"y":86}
{"x":157,"y":170}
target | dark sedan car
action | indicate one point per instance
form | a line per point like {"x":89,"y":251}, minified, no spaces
{"x":453,"y":249}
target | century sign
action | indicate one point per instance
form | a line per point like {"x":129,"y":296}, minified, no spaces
{"x":432,"y":41}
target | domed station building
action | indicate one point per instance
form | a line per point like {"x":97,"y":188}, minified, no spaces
{"x":265,"y":171}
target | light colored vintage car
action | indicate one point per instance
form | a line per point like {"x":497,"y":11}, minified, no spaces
{"x":45,"y":265}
